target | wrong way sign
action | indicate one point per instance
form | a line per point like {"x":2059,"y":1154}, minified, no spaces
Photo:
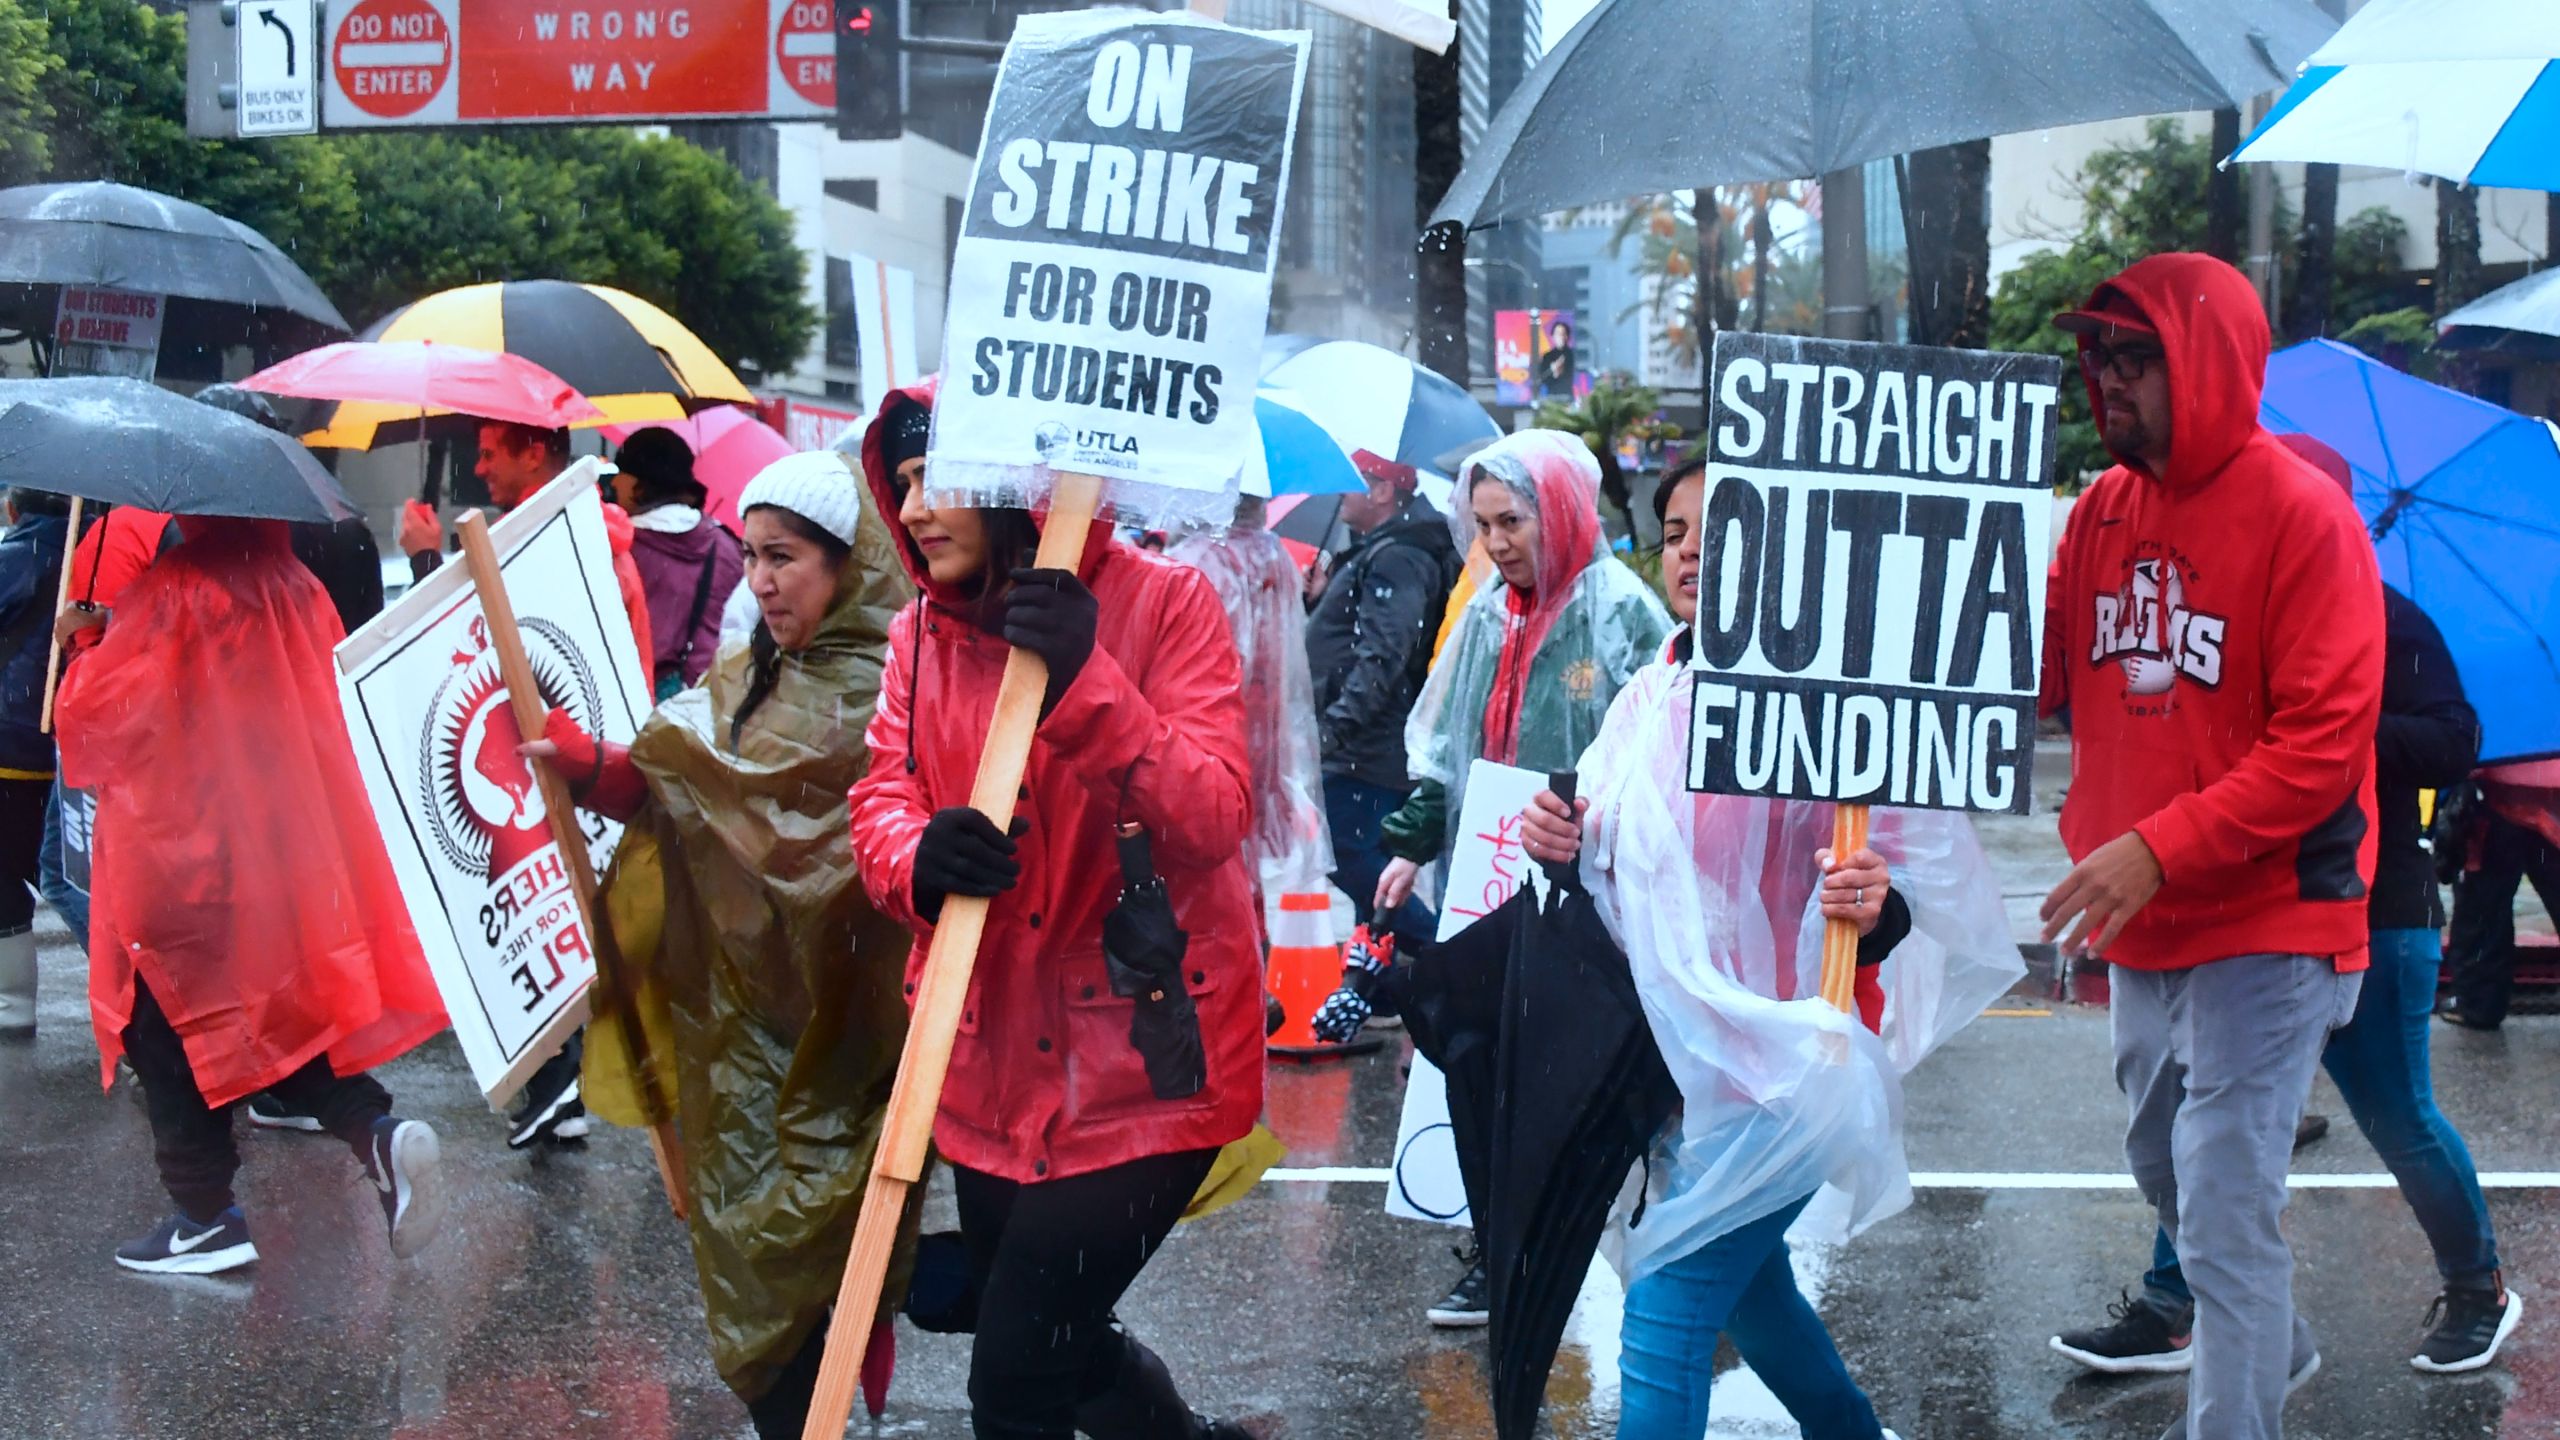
{"x":485,"y":62}
{"x":279,"y":68}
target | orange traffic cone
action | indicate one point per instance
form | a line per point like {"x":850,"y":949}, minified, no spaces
{"x":1305,"y":967}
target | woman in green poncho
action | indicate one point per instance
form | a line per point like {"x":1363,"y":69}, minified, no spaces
{"x":763,"y":1012}
{"x":1526,"y":680}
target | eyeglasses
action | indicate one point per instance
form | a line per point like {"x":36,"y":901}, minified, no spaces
{"x":2130,"y":363}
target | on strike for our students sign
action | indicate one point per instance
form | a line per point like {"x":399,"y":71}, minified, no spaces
{"x":1871,"y":585}
{"x":1113,"y":276}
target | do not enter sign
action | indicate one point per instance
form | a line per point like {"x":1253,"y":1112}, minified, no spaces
{"x":804,"y":50}
{"x":391,"y":58}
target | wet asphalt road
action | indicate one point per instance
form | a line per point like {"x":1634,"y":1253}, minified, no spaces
{"x":560,"y":1301}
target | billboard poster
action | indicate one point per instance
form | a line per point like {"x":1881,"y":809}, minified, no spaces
{"x":459,"y":809}
{"x":1536,"y":356}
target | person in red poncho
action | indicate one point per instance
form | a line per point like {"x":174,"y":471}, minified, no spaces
{"x":1068,"y":1166}
{"x":250,"y":933}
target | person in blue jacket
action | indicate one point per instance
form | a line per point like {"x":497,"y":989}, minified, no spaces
{"x":30,"y":559}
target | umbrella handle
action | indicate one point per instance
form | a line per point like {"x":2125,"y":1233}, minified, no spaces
{"x":1562,"y":783}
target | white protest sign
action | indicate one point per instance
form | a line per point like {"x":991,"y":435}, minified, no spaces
{"x":279,"y":90}
{"x":1485,"y":866}
{"x":98,"y":331}
{"x":1113,"y":276}
{"x":1871,"y":587}
{"x":459,"y":809}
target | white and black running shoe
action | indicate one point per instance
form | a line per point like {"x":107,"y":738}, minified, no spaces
{"x":1465,"y":1307}
{"x":2466,"y":1326}
{"x":268,"y":1113}
{"x":404,"y":1163}
{"x":552,"y":1109}
{"x":2139,"y":1338}
{"x":180,"y":1246}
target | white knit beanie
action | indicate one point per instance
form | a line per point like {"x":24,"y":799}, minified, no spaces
{"x":817,"y":486}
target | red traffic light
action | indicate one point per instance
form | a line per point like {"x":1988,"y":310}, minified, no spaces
{"x":856,"y":22}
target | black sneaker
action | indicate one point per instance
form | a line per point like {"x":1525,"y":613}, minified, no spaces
{"x":403,"y":1162}
{"x":2310,"y":1130}
{"x":1464,"y":1308}
{"x":2453,"y":1014}
{"x":2465,"y":1327}
{"x":2139,"y":1338}
{"x":180,"y":1246}
{"x":267,"y":1112}
{"x":551,"y":1108}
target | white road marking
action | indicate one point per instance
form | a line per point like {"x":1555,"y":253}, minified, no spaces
{"x":1996,"y":1180}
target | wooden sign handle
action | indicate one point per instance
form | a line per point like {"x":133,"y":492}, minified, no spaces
{"x":62,"y":602}
{"x":1840,"y":937}
{"x":480,"y":557}
{"x":940,"y":995}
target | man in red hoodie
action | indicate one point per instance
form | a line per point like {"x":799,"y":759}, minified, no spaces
{"x":2215,"y":632}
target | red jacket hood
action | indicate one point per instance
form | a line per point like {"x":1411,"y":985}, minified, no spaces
{"x":884,"y":494}
{"x":2215,"y":335}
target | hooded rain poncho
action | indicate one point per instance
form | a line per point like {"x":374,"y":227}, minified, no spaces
{"x":1527,"y":677}
{"x":1290,"y":846}
{"x":768,"y":1001}
{"x":1713,"y":897}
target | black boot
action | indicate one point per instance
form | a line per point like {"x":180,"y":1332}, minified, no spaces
{"x":1140,"y":1401}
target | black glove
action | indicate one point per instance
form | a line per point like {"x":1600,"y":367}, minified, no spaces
{"x":1338,"y":1020}
{"x":962,"y":853}
{"x":1052,"y":615}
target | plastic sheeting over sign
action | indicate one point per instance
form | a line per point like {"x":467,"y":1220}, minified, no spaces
{"x":1113,"y":276}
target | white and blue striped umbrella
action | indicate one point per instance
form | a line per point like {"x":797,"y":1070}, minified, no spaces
{"x":1370,"y":398}
{"x":1296,"y":456}
{"x":2465,"y":89}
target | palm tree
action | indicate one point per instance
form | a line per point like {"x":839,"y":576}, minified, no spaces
{"x":1617,"y":408}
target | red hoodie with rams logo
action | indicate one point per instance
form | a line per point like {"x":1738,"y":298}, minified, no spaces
{"x":2216,"y":632}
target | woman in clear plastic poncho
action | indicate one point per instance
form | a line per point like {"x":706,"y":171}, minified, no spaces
{"x":1259,"y":584}
{"x":1536,"y":659}
{"x":764,"y":1012}
{"x":1719,"y":902}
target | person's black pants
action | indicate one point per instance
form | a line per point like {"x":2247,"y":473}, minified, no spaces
{"x":2480,"y":948}
{"x":22,"y":804}
{"x":1050,"y":1261}
{"x":782,"y":1411}
{"x":192,"y":1141}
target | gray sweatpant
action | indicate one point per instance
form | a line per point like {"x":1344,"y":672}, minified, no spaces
{"x":2215,"y":1063}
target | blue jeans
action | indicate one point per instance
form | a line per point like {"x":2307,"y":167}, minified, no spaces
{"x":1354,"y":810}
{"x":1738,"y":1284}
{"x":68,"y":902}
{"x":2379,"y":1062}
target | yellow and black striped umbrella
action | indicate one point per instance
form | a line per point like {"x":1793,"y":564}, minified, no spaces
{"x":634,"y":360}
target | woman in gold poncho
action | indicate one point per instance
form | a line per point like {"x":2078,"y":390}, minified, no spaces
{"x":760,"y":1007}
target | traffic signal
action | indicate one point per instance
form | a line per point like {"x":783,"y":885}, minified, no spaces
{"x":871,"y":70}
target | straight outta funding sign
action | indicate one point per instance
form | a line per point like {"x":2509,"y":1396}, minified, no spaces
{"x":1113,"y":277}
{"x":1871,"y":582}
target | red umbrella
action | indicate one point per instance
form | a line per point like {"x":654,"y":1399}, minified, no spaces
{"x":730,"y":446}
{"x":431,"y":379}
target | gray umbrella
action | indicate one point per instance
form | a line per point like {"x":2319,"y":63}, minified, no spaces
{"x":2518,"y":319}
{"x":95,"y":232}
{"x":1651,"y":95}
{"x":132,"y":443}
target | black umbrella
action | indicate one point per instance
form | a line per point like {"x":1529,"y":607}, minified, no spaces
{"x":1556,"y":1088}
{"x":226,"y":282}
{"x":1791,"y":88}
{"x":130,"y":443}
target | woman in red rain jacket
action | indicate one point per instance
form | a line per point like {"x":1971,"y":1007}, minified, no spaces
{"x":1069,"y":1170}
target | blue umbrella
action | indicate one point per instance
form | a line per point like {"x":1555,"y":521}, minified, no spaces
{"x":1297,"y":456}
{"x":2463,"y":499}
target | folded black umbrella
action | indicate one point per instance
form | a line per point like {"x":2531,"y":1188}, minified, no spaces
{"x":1142,"y":950}
{"x":131,"y":443}
{"x":1556,"y":1088}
